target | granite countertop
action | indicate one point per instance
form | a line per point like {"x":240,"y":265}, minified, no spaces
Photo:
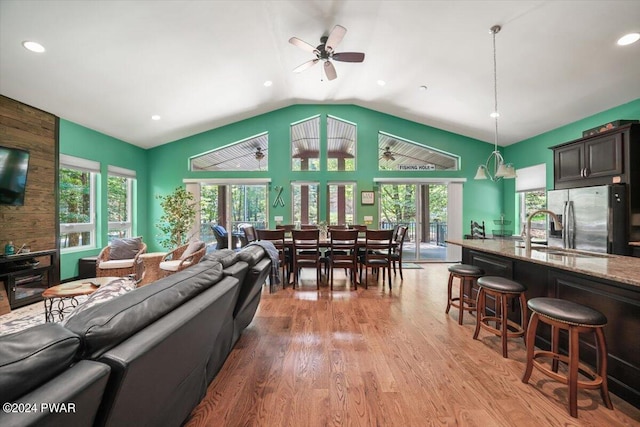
{"x":613,"y":267}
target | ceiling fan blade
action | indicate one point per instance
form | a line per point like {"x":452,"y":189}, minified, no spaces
{"x":303,"y":45}
{"x":335,"y":37}
{"x":306,"y":65}
{"x":348,"y":56}
{"x":330,"y":70}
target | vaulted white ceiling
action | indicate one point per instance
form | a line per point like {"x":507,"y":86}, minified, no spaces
{"x":111,"y":65}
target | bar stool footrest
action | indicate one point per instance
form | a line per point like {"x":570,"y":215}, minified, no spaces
{"x":594,"y":382}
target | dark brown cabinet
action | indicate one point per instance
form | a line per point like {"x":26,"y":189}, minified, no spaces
{"x":26,"y":276}
{"x":597,"y":159}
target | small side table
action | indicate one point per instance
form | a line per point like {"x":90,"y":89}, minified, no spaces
{"x":151,"y":264}
{"x":64,"y":296}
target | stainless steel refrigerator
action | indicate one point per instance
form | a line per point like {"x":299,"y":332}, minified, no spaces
{"x":593,"y":219}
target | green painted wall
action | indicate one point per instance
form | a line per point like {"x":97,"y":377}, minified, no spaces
{"x":482,"y":199}
{"x":536,"y":150}
{"x":79,"y":141}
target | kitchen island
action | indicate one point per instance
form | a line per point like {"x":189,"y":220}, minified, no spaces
{"x":608,"y":283}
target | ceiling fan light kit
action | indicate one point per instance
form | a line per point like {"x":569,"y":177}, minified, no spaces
{"x":326,"y":52}
{"x":495,"y":168}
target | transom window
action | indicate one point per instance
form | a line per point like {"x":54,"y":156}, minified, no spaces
{"x":305,"y":145}
{"x":251,"y":154}
{"x":341,"y":145}
{"x":400,"y":154}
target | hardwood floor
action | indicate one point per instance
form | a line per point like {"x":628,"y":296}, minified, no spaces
{"x":384,"y":358}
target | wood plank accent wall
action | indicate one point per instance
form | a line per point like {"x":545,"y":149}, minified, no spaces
{"x":35,"y":223}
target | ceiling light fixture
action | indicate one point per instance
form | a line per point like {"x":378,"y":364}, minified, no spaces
{"x":381,"y":83}
{"x":628,"y":39}
{"x":268,"y":83}
{"x":495,"y":168}
{"x":423,"y":88}
{"x":155,"y":117}
{"x":33,"y":46}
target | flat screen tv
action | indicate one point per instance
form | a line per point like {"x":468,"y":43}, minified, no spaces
{"x":14,"y":164}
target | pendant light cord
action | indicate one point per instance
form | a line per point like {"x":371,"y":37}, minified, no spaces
{"x":494,"y":30}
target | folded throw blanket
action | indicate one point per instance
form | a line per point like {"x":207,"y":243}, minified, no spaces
{"x":275,"y":258}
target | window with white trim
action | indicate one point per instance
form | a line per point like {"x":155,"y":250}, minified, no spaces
{"x":120,"y":183}
{"x":531,"y":195}
{"x":77,"y":188}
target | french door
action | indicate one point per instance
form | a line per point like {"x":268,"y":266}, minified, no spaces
{"x":424,"y":209}
{"x":231,"y":205}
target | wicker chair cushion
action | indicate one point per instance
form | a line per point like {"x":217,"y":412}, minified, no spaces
{"x":118,"y":263}
{"x":173,"y":265}
{"x":193,"y":247}
{"x":125,"y":248}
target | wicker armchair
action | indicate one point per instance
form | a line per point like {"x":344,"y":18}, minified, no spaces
{"x":106,"y":267}
{"x":182,"y":257}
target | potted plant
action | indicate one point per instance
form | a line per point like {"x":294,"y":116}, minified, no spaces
{"x":179,"y":213}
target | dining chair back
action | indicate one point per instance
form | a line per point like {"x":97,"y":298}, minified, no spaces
{"x":306,"y":253}
{"x":248,"y":234}
{"x":377,"y":254}
{"x":396,"y":252}
{"x":343,"y":252}
{"x":277,"y":238}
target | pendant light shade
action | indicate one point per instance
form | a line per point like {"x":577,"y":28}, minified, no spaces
{"x":495,"y":168}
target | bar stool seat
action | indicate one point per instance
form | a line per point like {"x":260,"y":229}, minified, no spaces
{"x":467,"y":275}
{"x":503,"y":290}
{"x":574,"y":318}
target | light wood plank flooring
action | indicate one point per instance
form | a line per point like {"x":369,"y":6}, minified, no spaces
{"x":380,"y":358}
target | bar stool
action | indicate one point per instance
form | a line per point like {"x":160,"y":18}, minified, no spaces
{"x":468,"y":275}
{"x":503,"y":290}
{"x":575,"y":319}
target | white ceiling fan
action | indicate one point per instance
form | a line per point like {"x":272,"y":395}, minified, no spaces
{"x":326,"y":52}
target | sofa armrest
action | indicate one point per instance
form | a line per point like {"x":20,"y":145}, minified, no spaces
{"x":77,"y":391}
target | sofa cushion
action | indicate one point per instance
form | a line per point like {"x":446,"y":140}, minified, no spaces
{"x":226,"y":257}
{"x":33,"y":356}
{"x":252,"y":254}
{"x":193,"y":247}
{"x":106,"y":292}
{"x":104,"y":326}
{"x":125,"y":248}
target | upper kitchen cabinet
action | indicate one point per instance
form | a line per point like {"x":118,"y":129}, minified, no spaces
{"x":604,"y":158}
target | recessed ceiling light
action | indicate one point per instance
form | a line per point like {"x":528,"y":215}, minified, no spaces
{"x":422,"y":88}
{"x":494,"y":115}
{"x":155,"y":117}
{"x":33,"y":46}
{"x":628,"y":39}
{"x":268,"y":83}
{"x":381,"y":83}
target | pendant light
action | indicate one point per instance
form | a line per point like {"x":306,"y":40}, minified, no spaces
{"x":495,"y":168}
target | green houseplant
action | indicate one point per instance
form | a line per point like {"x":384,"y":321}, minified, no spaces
{"x":179,"y":213}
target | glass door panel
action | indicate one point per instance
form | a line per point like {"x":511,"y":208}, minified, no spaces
{"x":231,"y":206}
{"x":341,"y":206}
{"x":305,"y":203}
{"x":423,"y":209}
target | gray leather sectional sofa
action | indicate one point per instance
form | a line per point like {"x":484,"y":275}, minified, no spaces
{"x":143,"y":358}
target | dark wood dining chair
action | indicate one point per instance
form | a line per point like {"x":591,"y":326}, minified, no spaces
{"x":396,"y":252}
{"x":306,"y":253}
{"x":377,"y":255}
{"x":277,"y":238}
{"x":343,"y":251}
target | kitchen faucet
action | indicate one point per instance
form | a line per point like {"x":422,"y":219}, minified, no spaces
{"x":527,"y":237}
